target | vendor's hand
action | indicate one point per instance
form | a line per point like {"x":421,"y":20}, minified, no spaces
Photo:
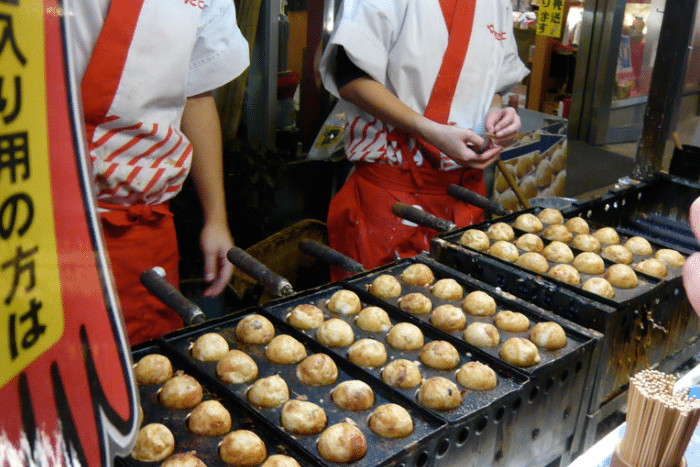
{"x":216,"y":241}
{"x":459,"y":145}
{"x":691,"y":268}
{"x":504,"y":123}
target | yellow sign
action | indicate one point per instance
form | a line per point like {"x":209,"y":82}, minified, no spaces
{"x":550,"y":18}
{"x":32,"y":319}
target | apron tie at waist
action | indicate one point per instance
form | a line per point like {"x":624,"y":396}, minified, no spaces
{"x":138,"y":213}
{"x":399,"y":179}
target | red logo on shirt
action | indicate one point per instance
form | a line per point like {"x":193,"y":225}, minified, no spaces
{"x":500,"y":36}
{"x":195,"y":3}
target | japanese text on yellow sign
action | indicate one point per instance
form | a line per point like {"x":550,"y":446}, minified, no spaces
{"x":31,"y":320}
{"x":550,"y":18}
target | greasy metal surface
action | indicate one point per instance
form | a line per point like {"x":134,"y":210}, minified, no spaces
{"x":205,"y":447}
{"x":416,"y":450}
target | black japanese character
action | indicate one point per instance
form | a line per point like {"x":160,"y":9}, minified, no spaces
{"x":20,"y":264}
{"x":8,"y":35}
{"x":8,"y":215}
{"x":11,"y":116}
{"x":14,"y":151}
{"x":32,"y":335}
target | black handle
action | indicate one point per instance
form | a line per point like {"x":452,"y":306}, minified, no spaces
{"x":258,"y":271}
{"x":330,"y":256}
{"x":420,"y":217}
{"x":171,"y":297}
{"x":476,"y":199}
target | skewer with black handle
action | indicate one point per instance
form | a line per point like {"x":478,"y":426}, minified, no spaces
{"x":330,"y":256}
{"x":251,"y":266}
{"x":154,"y":281}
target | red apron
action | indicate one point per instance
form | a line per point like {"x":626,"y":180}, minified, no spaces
{"x":139,"y":238}
{"x":360,"y":222}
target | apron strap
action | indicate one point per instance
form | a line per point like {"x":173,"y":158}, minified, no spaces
{"x":104,"y":71}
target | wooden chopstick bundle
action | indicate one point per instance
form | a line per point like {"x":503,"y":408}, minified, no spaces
{"x":659,"y":422}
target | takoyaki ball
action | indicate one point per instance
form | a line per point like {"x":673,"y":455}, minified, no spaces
{"x":367,"y":353}
{"x":479,"y":303}
{"x":504,"y":250}
{"x":550,"y":216}
{"x":303,"y":417}
{"x":415,"y":303}
{"x":548,"y":335}
{"x":558,"y":159}
{"x":183,"y":459}
{"x":530,"y":242}
{"x":317,"y":370}
{"x":342,"y":443}
{"x":586,"y":242}
{"x":236,"y":367}
{"x":557,"y":232}
{"x":280,"y":460}
{"x":418,"y":275}
{"x":599,"y":286}
{"x":482,"y":335}
{"x":440,"y":355}
{"x":354,"y":395}
{"x":622,"y":276}
{"x":589,"y":263}
{"x":524,"y":165}
{"x":533,"y":261}
{"x":344,"y":302}
{"x":652,"y":267}
{"x":544,"y":174}
{"x":501,"y":184}
{"x":385,"y":286}
{"x":255,"y":329}
{"x":565,"y":273}
{"x":391,"y":421}
{"x":607,"y":236}
{"x":305,"y":316}
{"x":447,"y":289}
{"x":448,"y":318}
{"x":670,"y":258}
{"x":153,"y":369}
{"x":209,"y":418}
{"x":181,"y":392}
{"x":617,"y":254}
{"x":577,"y":225}
{"x":511,"y":321}
{"x":509,"y":200}
{"x":154,"y":442}
{"x":500,"y":231}
{"x":373,"y":319}
{"x":405,"y":336}
{"x":209,"y":347}
{"x":639,"y":246}
{"x":558,"y":252}
{"x":242,"y":448}
{"x":335,"y":333}
{"x":520,"y":352}
{"x":439,"y":393}
{"x":528,"y":222}
{"x":271,"y":391}
{"x":402,"y":374}
{"x":528,"y":186}
{"x":475,"y":239}
{"x":285,"y":349}
{"x":477,"y":376}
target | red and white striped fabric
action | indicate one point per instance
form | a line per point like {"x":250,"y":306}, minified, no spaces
{"x":139,"y":60}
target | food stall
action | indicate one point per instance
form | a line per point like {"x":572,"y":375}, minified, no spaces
{"x":422,"y":362}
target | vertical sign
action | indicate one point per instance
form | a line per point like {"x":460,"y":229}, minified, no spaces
{"x":65,"y":370}
{"x":550,"y":18}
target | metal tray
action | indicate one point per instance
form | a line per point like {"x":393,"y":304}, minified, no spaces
{"x":416,"y":450}
{"x":558,"y":392}
{"x":205,"y":447}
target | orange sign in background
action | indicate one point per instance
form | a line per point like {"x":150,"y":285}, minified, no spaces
{"x":66,"y":386}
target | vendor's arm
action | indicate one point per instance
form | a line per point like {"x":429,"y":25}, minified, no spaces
{"x":503,"y":122}
{"x":375,"y":99}
{"x":200,"y":123}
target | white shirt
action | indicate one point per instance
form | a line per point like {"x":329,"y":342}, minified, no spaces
{"x":400,"y":43}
